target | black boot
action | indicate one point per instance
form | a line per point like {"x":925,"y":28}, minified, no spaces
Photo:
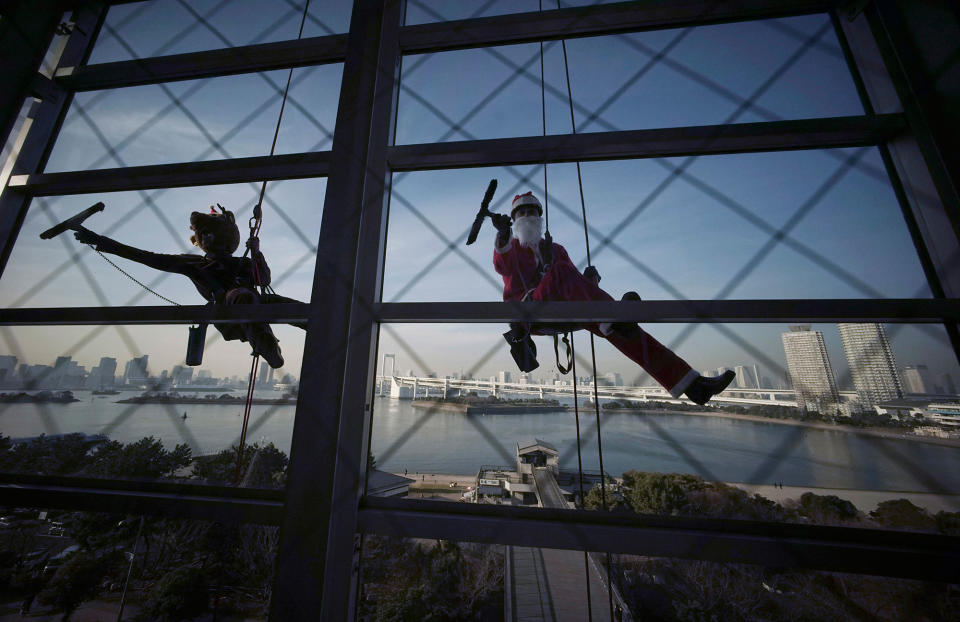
{"x":264,"y":343}
{"x":702,"y":389}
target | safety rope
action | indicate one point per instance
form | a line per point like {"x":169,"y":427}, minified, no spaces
{"x":593,"y":352}
{"x":572,"y":348}
{"x":254,"y":224}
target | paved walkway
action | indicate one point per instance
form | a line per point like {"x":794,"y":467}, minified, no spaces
{"x":550,"y":585}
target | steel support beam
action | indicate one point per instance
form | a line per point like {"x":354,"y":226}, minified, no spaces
{"x":555,"y":24}
{"x":182,"y":314}
{"x":595,"y":19}
{"x":206,"y":64}
{"x":308,"y":549}
{"x":340,"y":587}
{"x":886,"y":310}
{"x":41,"y":128}
{"x":669,"y":142}
{"x":26,"y":31}
{"x":210,"y":172}
{"x":699,"y":140}
{"x":838,"y":549}
{"x":155,"y":498}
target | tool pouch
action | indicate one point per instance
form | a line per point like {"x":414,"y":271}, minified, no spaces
{"x":522,"y":348}
{"x":198,"y":335}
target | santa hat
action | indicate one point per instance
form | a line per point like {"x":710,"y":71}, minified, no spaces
{"x":522,"y":200}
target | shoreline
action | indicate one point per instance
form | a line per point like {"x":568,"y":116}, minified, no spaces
{"x":884,"y":433}
{"x":816,"y":425}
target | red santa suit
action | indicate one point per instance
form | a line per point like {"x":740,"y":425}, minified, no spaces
{"x":521,"y":267}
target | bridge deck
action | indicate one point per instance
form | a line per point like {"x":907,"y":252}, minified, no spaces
{"x":551,"y":585}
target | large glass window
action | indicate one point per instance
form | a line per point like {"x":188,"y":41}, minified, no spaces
{"x":731,"y":73}
{"x":163,"y":27}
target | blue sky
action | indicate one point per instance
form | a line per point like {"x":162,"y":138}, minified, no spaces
{"x":687,"y":240}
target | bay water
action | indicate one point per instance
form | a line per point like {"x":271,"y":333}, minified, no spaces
{"x":414,"y":440}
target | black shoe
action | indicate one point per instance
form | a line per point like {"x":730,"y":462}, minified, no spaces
{"x":703,"y":388}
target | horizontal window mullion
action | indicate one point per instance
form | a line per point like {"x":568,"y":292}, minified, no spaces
{"x":886,"y":310}
{"x":183,"y":314}
{"x":183,"y":174}
{"x":593,"y":21}
{"x":167,"y":499}
{"x":839,"y":549}
{"x":828,"y":133}
{"x":205,"y":64}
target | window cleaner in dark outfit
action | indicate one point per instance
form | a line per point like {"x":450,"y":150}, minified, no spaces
{"x":220,"y":277}
{"x":534,"y":268}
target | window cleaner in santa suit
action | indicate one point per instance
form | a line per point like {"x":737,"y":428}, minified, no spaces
{"x":535,"y":268}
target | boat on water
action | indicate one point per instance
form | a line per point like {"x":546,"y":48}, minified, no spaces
{"x":105,"y":392}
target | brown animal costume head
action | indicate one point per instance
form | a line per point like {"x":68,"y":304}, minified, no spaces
{"x":216,"y":234}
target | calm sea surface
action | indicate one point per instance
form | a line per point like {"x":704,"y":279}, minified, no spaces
{"x":415,"y":440}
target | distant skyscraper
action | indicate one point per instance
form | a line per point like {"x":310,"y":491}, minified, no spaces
{"x":916,"y":379}
{"x":748,"y":377}
{"x":8,"y":365}
{"x":503,"y":376}
{"x":947,"y":381}
{"x":262,"y":377}
{"x":872,"y":366}
{"x":810,"y":369}
{"x":108,"y":371}
{"x":135,"y":370}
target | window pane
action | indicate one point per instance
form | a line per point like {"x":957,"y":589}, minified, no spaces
{"x":418,"y":579}
{"x":128,"y":394}
{"x":162,"y":27}
{"x":754,"y":434}
{"x":209,"y":119}
{"x":90,"y":565}
{"x":731,"y":73}
{"x":671,"y":228}
{"x":731,"y":591}
{"x":63,"y":272}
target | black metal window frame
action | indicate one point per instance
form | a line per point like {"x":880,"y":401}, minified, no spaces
{"x":323,"y":508}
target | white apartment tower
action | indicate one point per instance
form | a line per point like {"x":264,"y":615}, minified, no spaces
{"x":916,"y":379}
{"x":810,"y":370}
{"x":871,"y":363}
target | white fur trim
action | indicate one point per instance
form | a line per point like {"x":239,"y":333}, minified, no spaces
{"x":678,"y":389}
{"x":502,"y":249}
{"x":525,"y":199}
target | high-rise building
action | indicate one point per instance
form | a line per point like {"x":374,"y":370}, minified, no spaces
{"x":810,"y":370}
{"x":135,"y":371}
{"x":872,"y":366}
{"x":946,"y":381}
{"x":503,"y":376}
{"x":748,"y":377}
{"x":916,"y":379}
{"x":8,"y":366}
{"x":262,"y":376}
{"x":107,"y":371}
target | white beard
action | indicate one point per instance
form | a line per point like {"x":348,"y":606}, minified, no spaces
{"x":528,"y":230}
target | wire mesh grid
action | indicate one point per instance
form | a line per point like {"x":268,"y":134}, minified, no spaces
{"x":520,"y":180}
